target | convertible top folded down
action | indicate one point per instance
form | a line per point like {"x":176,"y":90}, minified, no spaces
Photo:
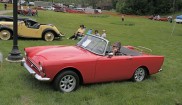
{"x":127,"y":51}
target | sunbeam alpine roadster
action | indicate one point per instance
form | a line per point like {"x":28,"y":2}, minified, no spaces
{"x":90,"y":61}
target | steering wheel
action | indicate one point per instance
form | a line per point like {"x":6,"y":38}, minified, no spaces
{"x":28,"y":24}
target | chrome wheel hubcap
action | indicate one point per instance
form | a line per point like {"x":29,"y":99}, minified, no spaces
{"x":67,"y":83}
{"x":49,"y":37}
{"x":5,"y":35}
{"x":139,"y":74}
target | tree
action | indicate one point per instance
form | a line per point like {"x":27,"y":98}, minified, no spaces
{"x":142,"y":7}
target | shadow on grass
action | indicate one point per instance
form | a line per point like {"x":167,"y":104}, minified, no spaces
{"x":34,"y":84}
{"x":98,"y":15}
{"x":31,"y":83}
{"x":124,"y":23}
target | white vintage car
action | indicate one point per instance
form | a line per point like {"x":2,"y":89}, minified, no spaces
{"x":178,"y":21}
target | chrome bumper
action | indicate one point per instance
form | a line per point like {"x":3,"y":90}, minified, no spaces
{"x":160,"y":70}
{"x":38,"y":77}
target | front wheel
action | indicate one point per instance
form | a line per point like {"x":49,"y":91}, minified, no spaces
{"x":139,"y":75}
{"x":48,"y":36}
{"x":5,"y":34}
{"x":67,"y":81}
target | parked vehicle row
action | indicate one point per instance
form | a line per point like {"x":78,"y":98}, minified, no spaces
{"x":77,"y":10}
{"x":28,"y":12}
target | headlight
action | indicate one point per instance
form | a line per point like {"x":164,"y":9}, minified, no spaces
{"x":41,"y":70}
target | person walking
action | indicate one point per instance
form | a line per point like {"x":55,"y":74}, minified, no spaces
{"x":122,"y":18}
{"x":5,"y":6}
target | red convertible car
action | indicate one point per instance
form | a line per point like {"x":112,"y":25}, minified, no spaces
{"x":90,"y":61}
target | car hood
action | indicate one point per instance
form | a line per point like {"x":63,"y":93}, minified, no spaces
{"x":58,"y":53}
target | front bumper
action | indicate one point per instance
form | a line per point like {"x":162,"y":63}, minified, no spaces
{"x":160,"y":70}
{"x":31,"y":71}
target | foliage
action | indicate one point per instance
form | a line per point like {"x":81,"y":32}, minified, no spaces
{"x":18,"y":87}
{"x":138,"y":7}
{"x":143,"y":7}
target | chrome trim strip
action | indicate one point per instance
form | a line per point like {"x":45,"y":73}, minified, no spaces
{"x":31,"y":71}
{"x":107,"y":43}
{"x":41,"y":79}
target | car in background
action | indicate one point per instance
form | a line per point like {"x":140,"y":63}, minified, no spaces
{"x":31,"y":4}
{"x":163,"y":19}
{"x":60,"y":9}
{"x":24,"y":3}
{"x":98,"y":11}
{"x":91,"y":60}
{"x":80,"y":9}
{"x":30,"y":29}
{"x":158,"y":18}
{"x":49,"y":8}
{"x":70,"y":10}
{"x":28,"y":12}
{"x":39,"y":8}
{"x":178,"y":19}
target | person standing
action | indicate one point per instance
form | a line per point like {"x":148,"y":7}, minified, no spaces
{"x":5,"y":6}
{"x":122,"y":18}
{"x":170,"y":19}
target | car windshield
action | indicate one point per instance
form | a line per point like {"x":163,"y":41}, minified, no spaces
{"x":94,"y":44}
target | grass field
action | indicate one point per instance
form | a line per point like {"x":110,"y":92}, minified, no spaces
{"x":18,"y":87}
{"x":9,"y":6}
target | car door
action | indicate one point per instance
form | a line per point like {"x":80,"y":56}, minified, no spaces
{"x":113,"y":68}
{"x":29,"y":32}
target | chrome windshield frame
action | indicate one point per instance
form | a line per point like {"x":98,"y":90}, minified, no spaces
{"x":104,"y":52}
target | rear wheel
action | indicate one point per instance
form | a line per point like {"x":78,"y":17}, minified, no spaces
{"x":139,"y":75}
{"x":5,"y":34}
{"x":67,"y":81}
{"x":48,"y":36}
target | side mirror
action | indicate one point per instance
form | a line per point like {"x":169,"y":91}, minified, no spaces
{"x":110,"y":54}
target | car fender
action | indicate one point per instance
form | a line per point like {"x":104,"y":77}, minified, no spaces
{"x":49,"y":29}
{"x":6,"y":28}
{"x":71,"y":69}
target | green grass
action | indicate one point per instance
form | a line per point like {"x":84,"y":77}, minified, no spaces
{"x":18,"y":87}
{"x":1,"y":6}
{"x":9,"y":6}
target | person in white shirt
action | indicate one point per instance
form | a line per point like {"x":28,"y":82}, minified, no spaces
{"x":103,"y":34}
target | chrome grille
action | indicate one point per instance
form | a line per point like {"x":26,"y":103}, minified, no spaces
{"x":32,"y":64}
